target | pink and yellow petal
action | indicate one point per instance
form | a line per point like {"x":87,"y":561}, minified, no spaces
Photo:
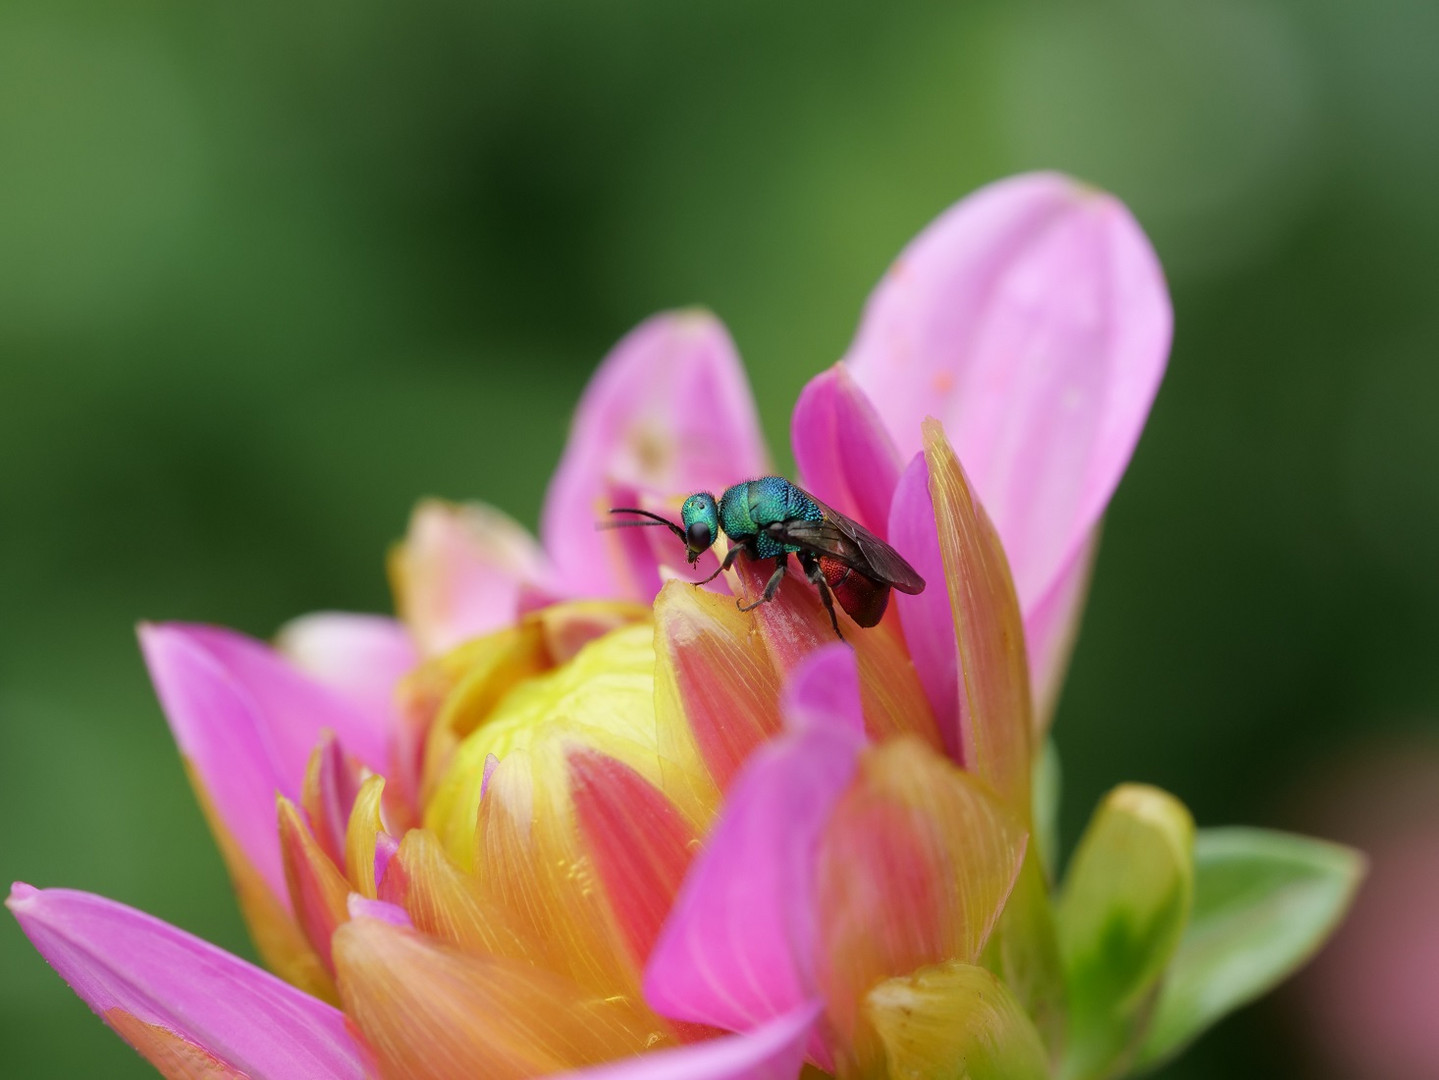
{"x":332,"y":781}
{"x":449,"y":905}
{"x":987,"y":676}
{"x":717,"y":694}
{"x":669,"y":412}
{"x":318,"y":891}
{"x":532,"y":867}
{"x":637,"y":840}
{"x":453,"y":695}
{"x":188,"y":1006}
{"x":795,"y":626}
{"x":268,"y":914}
{"x":432,"y":1012}
{"x":914,"y":868}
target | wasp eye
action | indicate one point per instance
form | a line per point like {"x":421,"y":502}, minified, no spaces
{"x":698,"y":536}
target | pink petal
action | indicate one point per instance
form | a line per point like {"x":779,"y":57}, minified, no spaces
{"x":739,"y":946}
{"x":772,"y":1051}
{"x":669,"y":412}
{"x":361,"y":657}
{"x":1033,"y":320}
{"x":824,"y":691}
{"x":123,"y":962}
{"x":927,"y":620}
{"x":462,"y":571}
{"x":844,"y":453}
{"x":246,"y":720}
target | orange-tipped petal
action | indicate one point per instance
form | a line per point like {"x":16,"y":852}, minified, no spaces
{"x":318,"y":890}
{"x":431,"y":1012}
{"x":639,"y":843}
{"x":994,"y":703}
{"x":361,"y":834}
{"x":447,"y":904}
{"x":914,"y":869}
{"x":716,"y":681}
{"x":174,"y":1056}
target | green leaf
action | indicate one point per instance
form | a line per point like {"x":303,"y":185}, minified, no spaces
{"x":955,"y":1021}
{"x":1124,"y":906}
{"x":1264,"y":902}
{"x":1046,"y":787}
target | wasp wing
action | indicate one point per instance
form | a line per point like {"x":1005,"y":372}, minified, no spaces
{"x":851,"y":543}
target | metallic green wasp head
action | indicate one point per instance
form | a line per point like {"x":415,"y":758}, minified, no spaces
{"x":700,"y":515}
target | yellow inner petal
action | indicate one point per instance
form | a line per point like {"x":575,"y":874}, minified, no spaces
{"x":603,"y":699}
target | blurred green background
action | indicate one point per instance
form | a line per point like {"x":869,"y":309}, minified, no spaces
{"x":269,"y":272}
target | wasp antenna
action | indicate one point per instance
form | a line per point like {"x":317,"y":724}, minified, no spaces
{"x":654,"y":519}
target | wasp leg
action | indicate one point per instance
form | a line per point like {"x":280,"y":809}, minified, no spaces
{"x":772,"y":585}
{"x":730,"y":556}
{"x":817,"y":579}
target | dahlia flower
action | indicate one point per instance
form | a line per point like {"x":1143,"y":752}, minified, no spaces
{"x":570,"y":814}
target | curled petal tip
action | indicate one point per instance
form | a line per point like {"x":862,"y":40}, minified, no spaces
{"x":21,"y":897}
